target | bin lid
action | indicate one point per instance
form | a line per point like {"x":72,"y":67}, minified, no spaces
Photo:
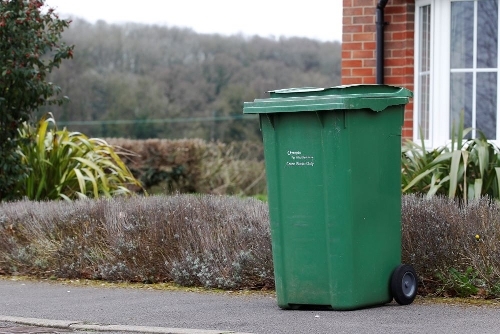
{"x":374,"y":97}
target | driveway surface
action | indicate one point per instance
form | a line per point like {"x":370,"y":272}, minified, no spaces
{"x":206,"y":312}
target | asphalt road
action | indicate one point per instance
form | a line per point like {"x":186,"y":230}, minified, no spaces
{"x":230,"y":311}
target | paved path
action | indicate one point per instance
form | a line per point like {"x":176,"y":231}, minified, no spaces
{"x":176,"y":312}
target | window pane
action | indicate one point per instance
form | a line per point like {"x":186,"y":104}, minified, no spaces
{"x":425,"y":38}
{"x":487,"y":36}
{"x":424,"y":71}
{"x":461,"y":99}
{"x":486,"y":104}
{"x":424,"y":107}
{"x":462,"y":34}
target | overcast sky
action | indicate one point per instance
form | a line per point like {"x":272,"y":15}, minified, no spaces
{"x":315,"y":19}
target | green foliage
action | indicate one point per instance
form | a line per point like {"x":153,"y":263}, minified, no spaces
{"x":465,"y":169}
{"x":463,"y":284}
{"x":261,"y":197}
{"x":69,"y":165}
{"x":30,"y":49}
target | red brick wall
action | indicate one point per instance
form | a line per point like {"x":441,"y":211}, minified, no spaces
{"x":359,"y":45}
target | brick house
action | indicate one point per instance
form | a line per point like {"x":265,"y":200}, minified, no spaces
{"x":445,"y":51}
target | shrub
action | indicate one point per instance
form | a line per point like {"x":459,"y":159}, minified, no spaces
{"x":69,"y":165}
{"x":196,"y":166}
{"x":468,"y":169}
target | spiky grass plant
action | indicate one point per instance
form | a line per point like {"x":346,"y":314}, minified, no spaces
{"x":466,"y":169}
{"x":70,"y":165}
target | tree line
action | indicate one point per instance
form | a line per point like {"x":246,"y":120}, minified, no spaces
{"x":149,"y":81}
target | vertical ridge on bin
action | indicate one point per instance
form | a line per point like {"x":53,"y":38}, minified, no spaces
{"x":326,"y":150}
{"x":342,"y":232}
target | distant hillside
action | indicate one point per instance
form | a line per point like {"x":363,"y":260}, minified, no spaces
{"x":135,"y":80}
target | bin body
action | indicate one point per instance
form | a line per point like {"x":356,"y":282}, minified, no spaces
{"x":333,"y":167}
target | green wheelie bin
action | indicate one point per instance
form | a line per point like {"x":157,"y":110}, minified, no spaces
{"x":333,"y":168}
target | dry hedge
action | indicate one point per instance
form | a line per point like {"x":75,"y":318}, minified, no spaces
{"x":206,"y":240}
{"x":454,"y":247}
{"x":224,"y":241}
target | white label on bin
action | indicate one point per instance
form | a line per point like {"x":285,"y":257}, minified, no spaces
{"x":299,"y":159}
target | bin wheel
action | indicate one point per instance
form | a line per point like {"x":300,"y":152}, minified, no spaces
{"x":404,"y":284}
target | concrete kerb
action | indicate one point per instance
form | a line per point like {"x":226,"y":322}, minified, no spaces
{"x":81,"y":325}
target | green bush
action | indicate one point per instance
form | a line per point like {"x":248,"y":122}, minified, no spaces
{"x":69,"y":165}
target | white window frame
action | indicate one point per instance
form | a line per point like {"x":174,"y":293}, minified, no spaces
{"x":439,"y":92}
